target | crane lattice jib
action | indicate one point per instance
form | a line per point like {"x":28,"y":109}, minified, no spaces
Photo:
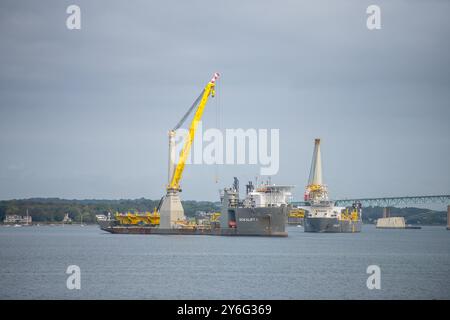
{"x":207,"y":92}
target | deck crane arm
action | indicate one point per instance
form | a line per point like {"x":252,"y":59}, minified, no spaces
{"x":201,"y":102}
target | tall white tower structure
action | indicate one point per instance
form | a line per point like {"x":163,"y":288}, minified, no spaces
{"x":316,"y":190}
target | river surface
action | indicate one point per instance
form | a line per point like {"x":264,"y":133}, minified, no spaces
{"x":414,"y":264}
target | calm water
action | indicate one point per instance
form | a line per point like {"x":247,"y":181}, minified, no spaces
{"x":33,"y":261}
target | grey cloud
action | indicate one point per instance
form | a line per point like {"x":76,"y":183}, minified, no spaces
{"x":87,"y":111}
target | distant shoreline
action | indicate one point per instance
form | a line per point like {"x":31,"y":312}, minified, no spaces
{"x":53,"y":210}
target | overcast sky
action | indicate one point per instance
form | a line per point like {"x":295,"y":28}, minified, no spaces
{"x":85,"y":113}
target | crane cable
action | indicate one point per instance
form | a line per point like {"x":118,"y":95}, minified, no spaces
{"x":194,"y":105}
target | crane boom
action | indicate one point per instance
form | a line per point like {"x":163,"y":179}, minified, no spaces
{"x":207,"y":92}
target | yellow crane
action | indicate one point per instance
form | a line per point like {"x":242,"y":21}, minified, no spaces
{"x":169,"y":212}
{"x":170,"y":209}
{"x":201,"y":101}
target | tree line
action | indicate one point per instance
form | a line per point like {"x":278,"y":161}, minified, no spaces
{"x":54,"y":209}
{"x":414,"y":216}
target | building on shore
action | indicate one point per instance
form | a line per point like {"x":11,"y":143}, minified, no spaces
{"x":67,"y":219}
{"x":16,"y":219}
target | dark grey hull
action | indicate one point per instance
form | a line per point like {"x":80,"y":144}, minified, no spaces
{"x":261,"y":221}
{"x":265,"y":222}
{"x":193,"y":232}
{"x":402,"y":228}
{"x":331,"y":225}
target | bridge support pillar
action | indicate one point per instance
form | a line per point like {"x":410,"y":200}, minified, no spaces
{"x":386,"y":212}
{"x":448,"y":217}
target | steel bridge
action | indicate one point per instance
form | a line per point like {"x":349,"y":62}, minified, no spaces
{"x":395,"y":201}
{"x":389,"y":201}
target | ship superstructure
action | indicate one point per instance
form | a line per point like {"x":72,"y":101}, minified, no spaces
{"x":267,"y":195}
{"x":263,"y":211}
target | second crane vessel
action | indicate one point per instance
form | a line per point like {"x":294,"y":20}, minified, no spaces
{"x":321,"y":215}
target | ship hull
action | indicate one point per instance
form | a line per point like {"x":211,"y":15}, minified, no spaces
{"x":331,"y":225}
{"x":193,"y":232}
{"x":264,"y":222}
{"x":293,"y":221}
